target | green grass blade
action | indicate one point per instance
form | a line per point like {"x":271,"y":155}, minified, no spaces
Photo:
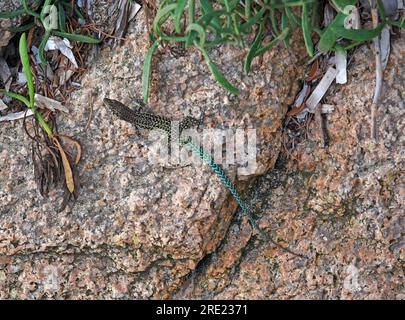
{"x":292,"y":18}
{"x":191,"y":17}
{"x":199,"y":29}
{"x":284,"y":25}
{"x":147,"y":70}
{"x":341,"y":4}
{"x":41,"y":48}
{"x":61,"y":18}
{"x":26,"y":68}
{"x":191,"y":11}
{"x":247,"y":9}
{"x":253,"y":20}
{"x":273,"y":21}
{"x":18,"y":12}
{"x":174,"y":38}
{"x":236,"y":28}
{"x":215,"y":42}
{"x":11,"y":14}
{"x":30,"y":83}
{"x":358,"y":34}
{"x":352,"y":45}
{"x":43,"y":10}
{"x":253,"y":49}
{"x":16,"y":96}
{"x":76,"y":37}
{"x":399,"y":24}
{"x":381,"y":10}
{"x":287,"y":4}
{"x":71,"y":10}
{"x":306,"y":30}
{"x":328,"y":38}
{"x":207,"y":8}
{"x":178,"y":13}
{"x":161,"y":17}
{"x":216,"y":73}
{"x":28,"y":10}
{"x":228,"y":17}
{"x":23,"y":28}
{"x":272,"y":43}
{"x":212,"y":16}
{"x":315,"y":15}
{"x":79,"y":14}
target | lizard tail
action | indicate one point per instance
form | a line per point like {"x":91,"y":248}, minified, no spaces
{"x":230,"y":186}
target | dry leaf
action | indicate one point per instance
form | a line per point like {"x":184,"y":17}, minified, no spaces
{"x":3,"y":106}
{"x":66,"y":167}
{"x":296,"y":110}
{"x":17,"y":115}
{"x":135,"y":7}
{"x":64,"y":46}
{"x":5,"y":74}
{"x":341,"y":66}
{"x":312,"y":73}
{"x":385,"y":46}
{"x":48,"y":103}
{"x":63,"y":73}
{"x":299,"y":103}
{"x":321,"y":89}
{"x":76,"y":144}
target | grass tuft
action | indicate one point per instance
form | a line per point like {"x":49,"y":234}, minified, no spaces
{"x":207,"y":23}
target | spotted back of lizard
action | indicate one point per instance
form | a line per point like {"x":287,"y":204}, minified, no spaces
{"x":146,"y":120}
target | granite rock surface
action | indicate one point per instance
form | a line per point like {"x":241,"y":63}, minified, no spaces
{"x":145,"y":230}
{"x":138,"y":228}
{"x":342,"y":205}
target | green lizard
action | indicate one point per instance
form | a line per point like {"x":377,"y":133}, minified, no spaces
{"x":151,"y":121}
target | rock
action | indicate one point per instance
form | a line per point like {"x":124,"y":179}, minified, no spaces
{"x":6,"y":24}
{"x":343,"y":207}
{"x":143,"y":230}
{"x":103,"y":14}
{"x":138,"y":228}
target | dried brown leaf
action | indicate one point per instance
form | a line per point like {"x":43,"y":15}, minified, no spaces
{"x":66,"y":166}
{"x":76,"y":144}
{"x":296,"y":110}
{"x":300,"y":100}
{"x":313,"y":72}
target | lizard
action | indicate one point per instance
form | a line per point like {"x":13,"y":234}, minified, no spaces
{"x":150,"y":121}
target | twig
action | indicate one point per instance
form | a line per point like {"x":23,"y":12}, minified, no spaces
{"x":378,"y":77}
{"x":321,"y":126}
{"x":17,"y":115}
{"x":93,"y":26}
